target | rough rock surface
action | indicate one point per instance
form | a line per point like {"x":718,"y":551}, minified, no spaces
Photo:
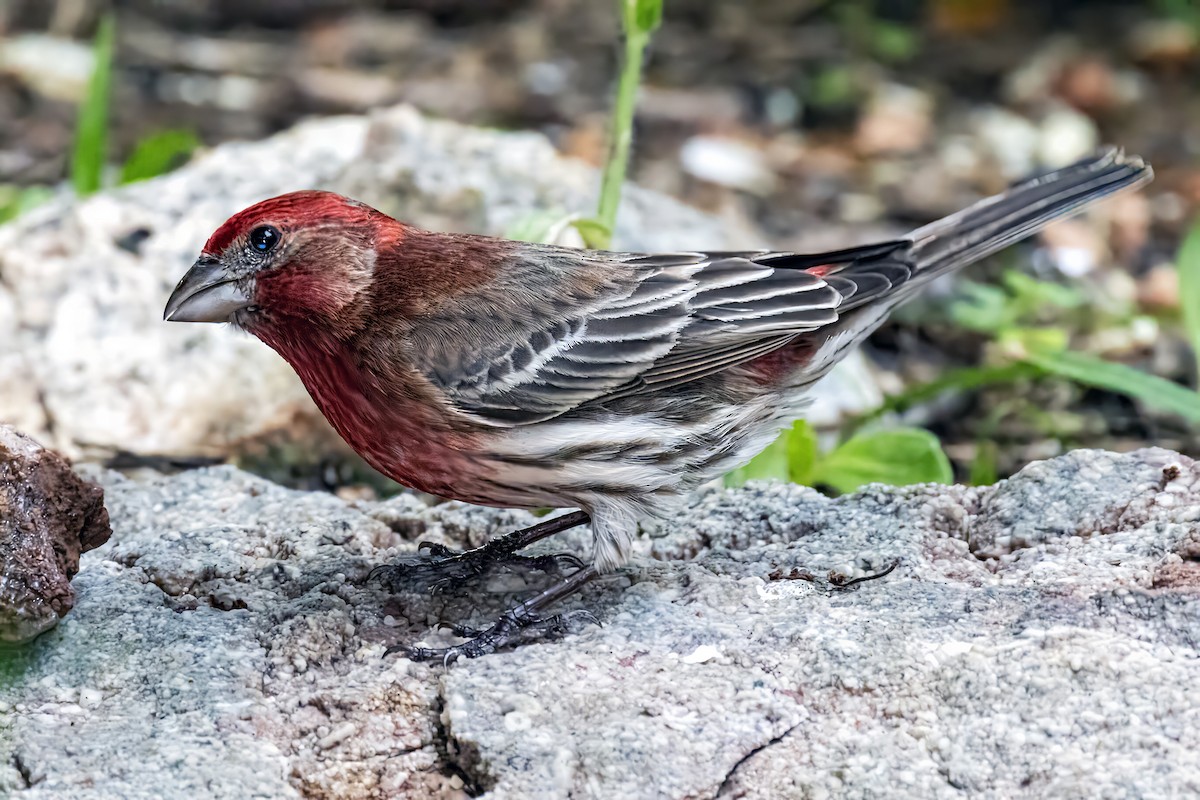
{"x":48,"y":516}
{"x":1039,"y":638}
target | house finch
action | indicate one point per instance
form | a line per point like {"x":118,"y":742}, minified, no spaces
{"x":512,"y":374}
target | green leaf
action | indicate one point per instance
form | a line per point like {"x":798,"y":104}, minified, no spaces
{"x":16,"y":200}
{"x":594,"y":232}
{"x":547,"y":227}
{"x":894,"y":42}
{"x":898,"y":457}
{"x":1188,"y":264}
{"x":962,"y":379}
{"x":771,"y":464}
{"x":802,"y":456}
{"x":540,"y":227}
{"x":834,"y":87}
{"x":1032,"y":295}
{"x":1043,"y":340}
{"x":91,"y":127}
{"x":158,"y":154}
{"x":790,"y":457}
{"x":983,"y":467}
{"x":642,"y":16}
{"x":981,"y":307}
{"x":1155,"y":392}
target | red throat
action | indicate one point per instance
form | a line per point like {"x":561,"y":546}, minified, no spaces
{"x":403,"y":440}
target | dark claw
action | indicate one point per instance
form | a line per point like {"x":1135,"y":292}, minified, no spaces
{"x":553,"y":564}
{"x":438,"y":569}
{"x":465,"y":631}
{"x":585,"y":615}
{"x":513,"y":628}
{"x":435,"y":550}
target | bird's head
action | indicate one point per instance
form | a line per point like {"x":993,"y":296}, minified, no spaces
{"x":300,"y":257}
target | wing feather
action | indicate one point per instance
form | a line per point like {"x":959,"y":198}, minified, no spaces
{"x":652,"y":322}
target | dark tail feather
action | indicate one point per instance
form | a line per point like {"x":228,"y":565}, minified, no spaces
{"x":1023,"y":210}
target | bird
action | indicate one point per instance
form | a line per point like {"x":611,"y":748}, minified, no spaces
{"x":512,"y":374}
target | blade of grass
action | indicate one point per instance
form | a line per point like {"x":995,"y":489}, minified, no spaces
{"x":91,"y":128}
{"x":802,"y":452}
{"x":955,"y":380}
{"x":1188,"y":264}
{"x":983,"y":465}
{"x":1155,"y":392}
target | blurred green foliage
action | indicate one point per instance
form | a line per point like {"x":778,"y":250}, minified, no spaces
{"x":1018,"y":299}
{"x":873,"y":37}
{"x":158,"y":154}
{"x":1051,"y":355}
{"x":898,"y":456}
{"x":1187,"y":11}
{"x":16,"y":200}
{"x":152,"y":156}
{"x":1008,"y":312}
{"x":1188,"y":264}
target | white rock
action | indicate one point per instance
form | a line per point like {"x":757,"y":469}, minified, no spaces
{"x":50,"y":65}
{"x":728,"y":162}
{"x":1010,"y":139}
{"x":1065,"y":136}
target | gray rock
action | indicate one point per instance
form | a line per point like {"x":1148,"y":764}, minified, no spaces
{"x":48,"y":516}
{"x":1039,"y":638}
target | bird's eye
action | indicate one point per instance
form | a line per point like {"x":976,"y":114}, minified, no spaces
{"x":264,"y":238}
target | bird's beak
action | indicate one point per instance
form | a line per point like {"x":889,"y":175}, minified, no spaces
{"x":207,"y":293}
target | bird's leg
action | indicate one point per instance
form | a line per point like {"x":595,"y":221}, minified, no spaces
{"x":438,"y":568}
{"x":522,"y":623}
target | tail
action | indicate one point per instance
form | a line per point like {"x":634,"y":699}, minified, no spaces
{"x":995,"y":223}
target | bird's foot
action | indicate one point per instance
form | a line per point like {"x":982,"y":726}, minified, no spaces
{"x":513,"y":628}
{"x":436,"y":568}
{"x":522,"y":623}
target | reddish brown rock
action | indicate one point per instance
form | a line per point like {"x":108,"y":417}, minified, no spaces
{"x":48,"y":516}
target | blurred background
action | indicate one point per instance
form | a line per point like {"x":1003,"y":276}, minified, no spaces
{"x":809,"y":125}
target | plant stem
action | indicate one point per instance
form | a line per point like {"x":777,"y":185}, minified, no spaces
{"x":621,"y":137}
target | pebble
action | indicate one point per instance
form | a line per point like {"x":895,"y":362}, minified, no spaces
{"x":339,"y":734}
{"x":728,"y":162}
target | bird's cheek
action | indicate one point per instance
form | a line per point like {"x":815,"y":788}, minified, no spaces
{"x":300,"y":293}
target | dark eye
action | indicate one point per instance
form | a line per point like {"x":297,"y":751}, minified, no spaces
{"x":264,"y":238}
